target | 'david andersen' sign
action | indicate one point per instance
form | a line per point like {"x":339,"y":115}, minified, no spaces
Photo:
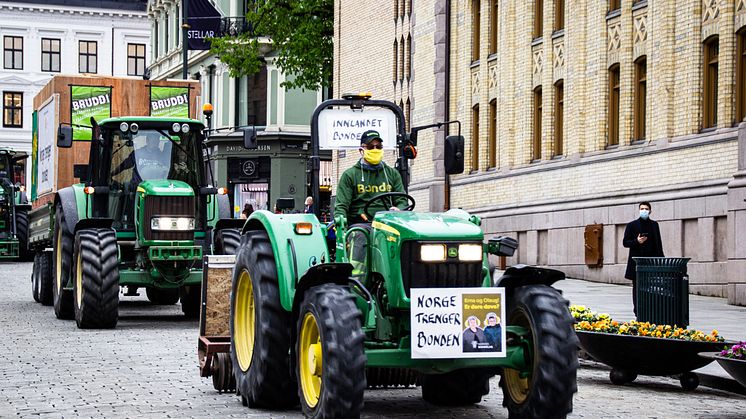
{"x":458,"y":322}
{"x":342,"y":128}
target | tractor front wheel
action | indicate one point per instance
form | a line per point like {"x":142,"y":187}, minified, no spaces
{"x":330,"y":354}
{"x":96,"y":281}
{"x":548,"y":389}
{"x":456,"y":388}
{"x":260,"y":328}
{"x":22,"y":234}
{"x":162,"y":296}
{"x":63,"y":255}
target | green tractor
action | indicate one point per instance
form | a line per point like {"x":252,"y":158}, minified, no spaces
{"x":143,"y":217}
{"x":306,"y":329}
{"x":14,"y":206}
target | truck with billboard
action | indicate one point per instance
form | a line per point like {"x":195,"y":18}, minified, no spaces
{"x":122,"y":198}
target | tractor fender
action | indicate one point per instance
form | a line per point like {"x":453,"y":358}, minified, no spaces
{"x":520,"y":275}
{"x":72,"y":200}
{"x":93,"y":223}
{"x":294,"y":253}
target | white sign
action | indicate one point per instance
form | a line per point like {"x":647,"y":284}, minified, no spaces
{"x":458,"y":322}
{"x":341,"y":128}
{"x":46,"y":148}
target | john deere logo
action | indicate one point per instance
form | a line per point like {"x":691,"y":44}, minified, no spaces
{"x":452,"y":252}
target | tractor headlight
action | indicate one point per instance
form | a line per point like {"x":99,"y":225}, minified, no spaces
{"x":124,"y":127}
{"x":176,"y":127}
{"x":469,"y":252}
{"x":185,"y":128}
{"x":172,"y":223}
{"x":433,"y":252}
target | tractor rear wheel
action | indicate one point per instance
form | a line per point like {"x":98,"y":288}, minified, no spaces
{"x":191,"y":300}
{"x":330,"y":352}
{"x":456,"y":388}
{"x":22,"y":234}
{"x":63,"y":254}
{"x":96,"y":281}
{"x":548,"y":389}
{"x":162,"y":296}
{"x":227,"y":241}
{"x":260,"y":328}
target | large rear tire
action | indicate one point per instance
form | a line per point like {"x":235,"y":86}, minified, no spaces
{"x":62,"y":256}
{"x":330,"y":351}
{"x":227,"y":241}
{"x":260,"y":328}
{"x":162,"y":296}
{"x":456,"y":388}
{"x":96,"y":281}
{"x":548,"y":390}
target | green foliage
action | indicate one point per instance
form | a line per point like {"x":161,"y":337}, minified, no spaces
{"x":301,"y":32}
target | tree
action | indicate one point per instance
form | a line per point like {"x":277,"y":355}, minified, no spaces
{"x":301,"y":33}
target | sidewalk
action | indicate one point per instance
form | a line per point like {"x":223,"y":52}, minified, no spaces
{"x":705,"y":314}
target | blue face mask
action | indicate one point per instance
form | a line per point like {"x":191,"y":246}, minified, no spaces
{"x":644,"y":214}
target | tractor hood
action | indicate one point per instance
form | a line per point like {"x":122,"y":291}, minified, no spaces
{"x":427,"y":226}
{"x":165,"y":187}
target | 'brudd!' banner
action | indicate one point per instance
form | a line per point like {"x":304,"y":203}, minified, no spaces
{"x":169,"y":102}
{"x":87,"y":102}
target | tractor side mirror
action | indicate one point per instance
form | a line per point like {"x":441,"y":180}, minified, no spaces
{"x":502,"y":246}
{"x":285,"y":204}
{"x":453,"y":156}
{"x":64,"y":136}
{"x":249,"y":138}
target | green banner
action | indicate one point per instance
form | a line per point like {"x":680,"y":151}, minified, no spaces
{"x":87,"y":102}
{"x":169,"y":102}
{"x":34,"y":149}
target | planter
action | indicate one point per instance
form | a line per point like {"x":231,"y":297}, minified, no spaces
{"x":629,"y":356}
{"x":735,"y":367}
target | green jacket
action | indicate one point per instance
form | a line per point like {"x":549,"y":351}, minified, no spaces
{"x":357,"y":185}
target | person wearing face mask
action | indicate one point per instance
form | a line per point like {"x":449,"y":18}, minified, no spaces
{"x":643,"y":239}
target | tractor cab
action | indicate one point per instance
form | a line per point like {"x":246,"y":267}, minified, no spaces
{"x":13,"y":204}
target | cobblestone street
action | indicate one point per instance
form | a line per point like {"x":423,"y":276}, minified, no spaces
{"x":147,"y":367}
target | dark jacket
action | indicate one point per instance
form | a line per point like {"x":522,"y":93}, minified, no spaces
{"x":494,"y":336}
{"x":653,"y":247}
{"x":470,"y":337}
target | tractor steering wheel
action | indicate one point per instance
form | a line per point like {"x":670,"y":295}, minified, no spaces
{"x":389,"y":195}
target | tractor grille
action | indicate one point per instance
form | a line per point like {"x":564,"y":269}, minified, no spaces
{"x":451,"y":273}
{"x":168,"y":206}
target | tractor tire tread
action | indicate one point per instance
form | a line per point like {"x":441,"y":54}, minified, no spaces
{"x":99,"y":270}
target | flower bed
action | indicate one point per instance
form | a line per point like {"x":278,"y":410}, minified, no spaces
{"x":590,"y":321}
{"x":737,"y":351}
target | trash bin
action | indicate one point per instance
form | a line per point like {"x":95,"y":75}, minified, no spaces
{"x":662,"y":290}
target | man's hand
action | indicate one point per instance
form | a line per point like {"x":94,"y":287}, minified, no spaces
{"x":641,"y":239}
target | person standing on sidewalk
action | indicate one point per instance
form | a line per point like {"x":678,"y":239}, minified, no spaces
{"x":643,"y":238}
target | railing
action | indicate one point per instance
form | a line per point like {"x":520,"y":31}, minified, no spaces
{"x":234,"y":26}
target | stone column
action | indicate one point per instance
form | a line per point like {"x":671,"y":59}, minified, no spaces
{"x":737,"y":226}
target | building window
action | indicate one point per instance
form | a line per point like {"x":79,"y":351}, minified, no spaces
{"x":493,"y":134}
{"x":475,"y":138}
{"x":87,"y":56}
{"x":50,"y":55}
{"x":396,"y":10}
{"x":167,"y":26}
{"x":395,"y":60}
{"x":401,"y":58}
{"x":409,"y":58}
{"x":559,"y":118}
{"x":641,"y":92}
{"x":135,"y":59}
{"x":536,"y":143}
{"x":476,"y":17}
{"x":614,"y":4}
{"x":710,"y":93}
{"x":408,"y":115}
{"x":613,"y":105}
{"x":409,"y":8}
{"x":493,"y":27}
{"x":559,"y":15}
{"x":538,"y":18}
{"x":741,"y":76}
{"x":13,"y":47}
{"x":402,"y":8}
{"x":13,"y":109}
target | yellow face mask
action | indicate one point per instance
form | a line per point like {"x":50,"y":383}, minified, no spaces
{"x":373,"y":156}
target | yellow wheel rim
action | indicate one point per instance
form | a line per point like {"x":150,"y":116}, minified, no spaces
{"x":79,"y":281}
{"x":517,"y":386}
{"x":244,"y":321}
{"x":58,"y":267}
{"x":310,"y":360}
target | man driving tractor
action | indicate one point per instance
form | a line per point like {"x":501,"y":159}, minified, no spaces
{"x":367,"y":178}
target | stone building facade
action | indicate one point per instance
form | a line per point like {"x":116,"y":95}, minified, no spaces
{"x":573,"y":112}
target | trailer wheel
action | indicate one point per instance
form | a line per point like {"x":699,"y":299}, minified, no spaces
{"x":548,"y":390}
{"x":22,"y":234}
{"x":260,"y":328}
{"x":162,"y":296}
{"x":96,"y":285}
{"x":63,"y":251}
{"x":227,"y":241}
{"x":35,"y":282}
{"x":191,"y":300}
{"x":331,"y":358}
{"x":221,"y":368}
{"x":46,"y":278}
{"x":456,"y":388}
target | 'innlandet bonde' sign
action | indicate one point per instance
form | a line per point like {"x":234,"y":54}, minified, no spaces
{"x":169,"y":102}
{"x":87,"y":102}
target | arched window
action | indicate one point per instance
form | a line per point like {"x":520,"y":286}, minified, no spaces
{"x":476,"y":17}
{"x":641,"y":70}
{"x":492,"y":145}
{"x":559,"y":117}
{"x":536,"y":143}
{"x":475,"y":138}
{"x":613,"y":111}
{"x":493,"y":26}
{"x":711,"y":51}
{"x":741,"y":76}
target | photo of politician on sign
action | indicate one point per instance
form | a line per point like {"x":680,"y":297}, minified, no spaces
{"x":483,"y":330}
